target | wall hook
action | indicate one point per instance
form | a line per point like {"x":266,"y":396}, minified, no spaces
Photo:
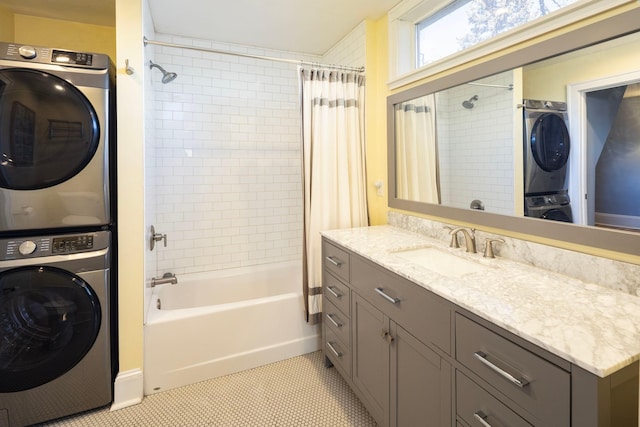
{"x":129,"y":70}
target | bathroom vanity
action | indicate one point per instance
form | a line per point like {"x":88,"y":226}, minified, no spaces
{"x":429,"y":335}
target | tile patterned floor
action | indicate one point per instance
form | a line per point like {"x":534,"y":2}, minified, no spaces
{"x":294,"y":392}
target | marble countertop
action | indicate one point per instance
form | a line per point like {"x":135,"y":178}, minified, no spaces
{"x":591,"y":326}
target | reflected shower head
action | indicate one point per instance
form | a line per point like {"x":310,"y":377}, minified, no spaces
{"x":469,"y":103}
{"x":166,"y":76}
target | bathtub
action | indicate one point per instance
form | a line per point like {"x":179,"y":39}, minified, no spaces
{"x":213,"y":324}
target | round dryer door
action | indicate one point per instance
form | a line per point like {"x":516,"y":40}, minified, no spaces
{"x":49,"y":319}
{"x":49,"y":130}
{"x":550,"y":142}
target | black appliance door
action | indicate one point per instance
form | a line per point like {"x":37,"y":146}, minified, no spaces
{"x":550,"y":142}
{"x":49,"y":320}
{"x":49,"y":130}
{"x":556,"y":215}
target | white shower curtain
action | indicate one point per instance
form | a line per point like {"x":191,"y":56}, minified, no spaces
{"x":334,"y":169}
{"x":416,"y":150}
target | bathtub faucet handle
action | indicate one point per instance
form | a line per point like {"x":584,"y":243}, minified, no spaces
{"x":156,"y":237}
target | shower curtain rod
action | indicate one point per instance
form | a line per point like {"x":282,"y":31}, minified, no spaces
{"x":246,"y":55}
{"x":510,"y":87}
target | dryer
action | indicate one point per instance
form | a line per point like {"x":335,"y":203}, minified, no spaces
{"x":546,"y":146}
{"x":56,"y":130}
{"x":55,"y":323}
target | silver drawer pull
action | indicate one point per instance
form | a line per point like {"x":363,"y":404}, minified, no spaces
{"x":480,"y":416}
{"x":332,"y":320}
{"x":334,"y":293}
{"x":334,"y":261}
{"x":482,"y":357}
{"x":333,"y":349}
{"x":384,"y":295}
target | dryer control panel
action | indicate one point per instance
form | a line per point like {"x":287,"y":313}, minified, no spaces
{"x":46,"y":55}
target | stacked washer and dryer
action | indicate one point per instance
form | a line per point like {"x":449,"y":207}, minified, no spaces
{"x":56,"y":233}
{"x":546,"y":153}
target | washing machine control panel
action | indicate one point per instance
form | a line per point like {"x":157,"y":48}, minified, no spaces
{"x":71,"y":58}
{"x":46,"y":55}
{"x":33,"y":247}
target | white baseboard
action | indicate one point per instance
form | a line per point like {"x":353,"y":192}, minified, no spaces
{"x":127,"y":389}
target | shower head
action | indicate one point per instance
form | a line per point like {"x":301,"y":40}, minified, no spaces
{"x":469,"y":103}
{"x":166,"y":76}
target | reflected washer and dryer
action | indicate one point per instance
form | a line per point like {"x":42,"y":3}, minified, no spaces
{"x":546,"y":146}
{"x":56,"y":127}
{"x":546,"y":153}
{"x":55,"y":322}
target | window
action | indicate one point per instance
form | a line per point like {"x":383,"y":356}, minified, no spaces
{"x":431,"y":36}
{"x":464,"y":23}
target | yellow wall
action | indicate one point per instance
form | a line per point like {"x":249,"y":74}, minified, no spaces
{"x":376,"y":118}
{"x":130,"y":184}
{"x":65,"y":34}
{"x":549,"y":79}
{"x":6,"y":25}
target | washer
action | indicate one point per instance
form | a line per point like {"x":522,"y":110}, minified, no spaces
{"x":555,"y":207}
{"x":55,"y":324}
{"x":56,"y":128}
{"x":546,"y":146}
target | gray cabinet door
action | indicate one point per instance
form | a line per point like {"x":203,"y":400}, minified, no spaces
{"x":370,"y":351}
{"x":420,"y":383}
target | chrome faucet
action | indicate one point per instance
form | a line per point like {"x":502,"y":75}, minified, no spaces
{"x":469,"y":238}
{"x":166,"y":278}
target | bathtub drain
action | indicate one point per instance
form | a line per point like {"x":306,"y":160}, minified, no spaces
{"x":158,"y":305}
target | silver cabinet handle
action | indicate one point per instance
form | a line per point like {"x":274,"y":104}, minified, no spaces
{"x":333,"y":349}
{"x":480,"y":417}
{"x":386,"y":335}
{"x":334,"y":261}
{"x":384,"y":295}
{"x":332,"y":320}
{"x":482,"y":357}
{"x":334,"y":293}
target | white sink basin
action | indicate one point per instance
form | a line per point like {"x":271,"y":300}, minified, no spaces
{"x":442,"y":262}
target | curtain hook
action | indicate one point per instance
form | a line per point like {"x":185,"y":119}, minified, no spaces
{"x":129,"y":70}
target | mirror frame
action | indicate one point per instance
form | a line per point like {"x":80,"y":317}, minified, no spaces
{"x":602,"y":238}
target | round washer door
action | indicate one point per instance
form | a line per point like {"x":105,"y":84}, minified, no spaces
{"x":49,"y":320}
{"x":49,"y":131}
{"x":550,"y":142}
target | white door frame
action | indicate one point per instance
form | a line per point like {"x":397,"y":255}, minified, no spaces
{"x":577,"y":109}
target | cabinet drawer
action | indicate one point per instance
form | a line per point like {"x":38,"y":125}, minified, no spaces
{"x":337,"y":352}
{"x":538,"y":386}
{"x":337,"y":321}
{"x":475,"y":404}
{"x":335,"y":260}
{"x":421,"y":313}
{"x":336,"y":293}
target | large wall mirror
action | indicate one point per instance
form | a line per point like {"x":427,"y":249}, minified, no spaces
{"x":474,"y":146}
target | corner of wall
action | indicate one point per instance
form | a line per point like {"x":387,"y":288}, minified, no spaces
{"x":127,"y":389}
{"x":377,"y":58}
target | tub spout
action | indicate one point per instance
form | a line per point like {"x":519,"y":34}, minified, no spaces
{"x":166,"y":278}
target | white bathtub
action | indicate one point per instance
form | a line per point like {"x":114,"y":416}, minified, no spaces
{"x":213,"y":324}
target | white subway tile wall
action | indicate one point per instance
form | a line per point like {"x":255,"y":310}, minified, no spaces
{"x":475,"y":145}
{"x":226,"y":159}
{"x":351,"y":50}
